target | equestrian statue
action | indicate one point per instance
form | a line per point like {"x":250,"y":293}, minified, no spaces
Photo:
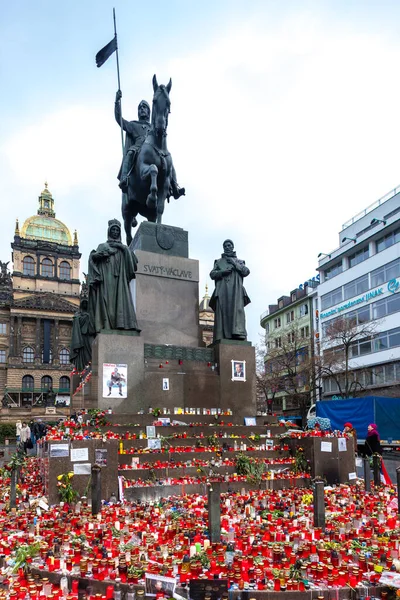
{"x":147,"y":175}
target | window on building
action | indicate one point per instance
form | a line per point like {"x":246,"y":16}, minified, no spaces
{"x":47,"y":268}
{"x":291,"y":337}
{"x":334,"y":297}
{"x":359,"y":256}
{"x":290,"y":316}
{"x":3,"y":328}
{"x":64,"y":384}
{"x":333,"y":270}
{"x":277,"y":322}
{"x":280,"y":304}
{"x":388,"y":240}
{"x":28,"y":383}
{"x":278,"y":342}
{"x":356,"y":287}
{"x":65,"y":270}
{"x":28,"y":265}
{"x":307,"y":331}
{"x":293,"y":297}
{"x":64,"y":356}
{"x":28,"y":355}
{"x":266,"y":327}
{"x":50,"y":356}
{"x":385,"y":273}
{"x":386,"y":306}
{"x":303,"y":310}
{"x":46,"y":382}
{"x":2,"y":356}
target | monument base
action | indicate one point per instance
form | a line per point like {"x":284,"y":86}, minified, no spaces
{"x":237,"y":391}
{"x":118,"y":348}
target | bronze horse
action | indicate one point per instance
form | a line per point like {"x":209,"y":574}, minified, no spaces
{"x":149,"y":183}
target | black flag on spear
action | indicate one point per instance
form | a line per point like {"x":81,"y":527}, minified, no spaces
{"x":105,"y":53}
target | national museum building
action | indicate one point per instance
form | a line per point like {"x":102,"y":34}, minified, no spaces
{"x":37,"y":302}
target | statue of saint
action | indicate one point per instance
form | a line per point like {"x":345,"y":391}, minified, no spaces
{"x":229,"y":297}
{"x":83,"y":334}
{"x":111,"y":268}
{"x":136,"y":132}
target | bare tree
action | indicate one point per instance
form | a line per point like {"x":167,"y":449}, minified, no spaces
{"x":343,"y":339}
{"x":289,"y":368}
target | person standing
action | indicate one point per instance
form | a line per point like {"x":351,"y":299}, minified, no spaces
{"x":351,"y":432}
{"x":373,"y":440}
{"x":25,"y":436}
{"x":18,"y":427}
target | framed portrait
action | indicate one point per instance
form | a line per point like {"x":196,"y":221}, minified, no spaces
{"x":238,"y":370}
{"x":115,"y":379}
{"x":156,"y":584}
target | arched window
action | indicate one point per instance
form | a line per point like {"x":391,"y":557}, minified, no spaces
{"x":47,"y":268}
{"x":64,"y":384}
{"x":28,"y":266}
{"x":28,"y":383}
{"x":64,"y":356}
{"x":46,"y":383}
{"x":28,"y":355}
{"x":65,"y":270}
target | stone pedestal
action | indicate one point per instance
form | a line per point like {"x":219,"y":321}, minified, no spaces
{"x":237,"y":393}
{"x":118,"y":347}
{"x":166,"y":288}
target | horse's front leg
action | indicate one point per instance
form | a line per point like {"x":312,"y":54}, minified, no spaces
{"x":152,"y":172}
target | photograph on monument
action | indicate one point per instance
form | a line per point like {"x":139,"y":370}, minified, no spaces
{"x":238,"y":370}
{"x":158,"y":584}
{"x":115,"y":381}
{"x":165,"y":384}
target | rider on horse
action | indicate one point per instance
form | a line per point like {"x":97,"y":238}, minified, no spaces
{"x":136,"y":132}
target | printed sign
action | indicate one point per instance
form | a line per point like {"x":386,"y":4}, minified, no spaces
{"x":157,"y":584}
{"x":59,"y":450}
{"x":79,"y":454}
{"x":115,"y":379}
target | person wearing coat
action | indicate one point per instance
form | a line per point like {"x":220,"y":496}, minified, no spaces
{"x":373,"y":440}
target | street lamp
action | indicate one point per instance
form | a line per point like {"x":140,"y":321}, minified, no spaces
{"x":323,"y":254}
{"x":376,"y":221}
{"x":349,"y":239}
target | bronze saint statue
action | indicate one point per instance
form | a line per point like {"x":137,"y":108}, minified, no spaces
{"x":111,"y":268}
{"x":83,"y":334}
{"x":229,"y":297}
{"x":147,"y":175}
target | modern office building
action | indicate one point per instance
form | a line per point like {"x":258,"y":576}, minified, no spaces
{"x":289,"y":349}
{"x":360,"y":280}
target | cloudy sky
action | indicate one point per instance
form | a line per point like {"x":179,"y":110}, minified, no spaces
{"x":284,"y":123}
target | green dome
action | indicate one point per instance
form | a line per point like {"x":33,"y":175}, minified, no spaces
{"x":40,"y":227}
{"x":44,"y":226}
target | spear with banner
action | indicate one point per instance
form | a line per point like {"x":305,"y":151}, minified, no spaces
{"x":102,"y":56}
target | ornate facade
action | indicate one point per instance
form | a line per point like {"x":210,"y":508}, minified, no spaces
{"x":206,"y":319}
{"x":37,"y":302}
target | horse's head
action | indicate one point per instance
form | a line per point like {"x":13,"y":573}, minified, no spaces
{"x":161,"y":107}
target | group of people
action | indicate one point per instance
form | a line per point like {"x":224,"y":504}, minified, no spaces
{"x":28,"y":434}
{"x":372,"y":440}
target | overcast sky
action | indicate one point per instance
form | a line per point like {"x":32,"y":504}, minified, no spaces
{"x":284,"y":121}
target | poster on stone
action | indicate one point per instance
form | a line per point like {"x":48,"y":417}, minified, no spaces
{"x":159,"y":584}
{"x":100,"y":457}
{"x":238,"y":370}
{"x":115,"y":379}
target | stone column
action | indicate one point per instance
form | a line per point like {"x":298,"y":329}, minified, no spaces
{"x":214,"y":512}
{"x":12,"y":335}
{"x":56,"y":336}
{"x":18,"y":336}
{"x":38,"y":355}
{"x":367,"y":474}
{"x":38,"y":264}
{"x":319,"y":505}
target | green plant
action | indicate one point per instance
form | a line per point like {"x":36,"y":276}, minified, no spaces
{"x":24,"y":552}
{"x":301,"y":464}
{"x":250,"y":467}
{"x":66,"y":490}
{"x":156,"y":412}
{"x":17,"y":460}
{"x":203,"y":558}
{"x":7,"y":430}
